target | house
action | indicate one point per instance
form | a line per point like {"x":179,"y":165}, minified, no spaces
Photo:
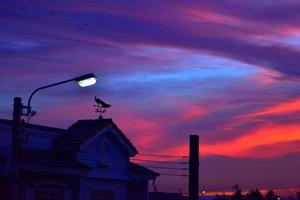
{"x":88,"y":161}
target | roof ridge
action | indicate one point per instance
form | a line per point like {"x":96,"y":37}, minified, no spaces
{"x":84,"y":129}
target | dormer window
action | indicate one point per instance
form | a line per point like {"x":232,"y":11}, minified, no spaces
{"x":104,"y":155}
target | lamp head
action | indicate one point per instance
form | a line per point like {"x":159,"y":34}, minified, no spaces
{"x":86,"y":80}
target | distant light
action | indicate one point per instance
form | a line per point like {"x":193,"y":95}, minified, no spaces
{"x":278,"y":198}
{"x":87,"y":82}
{"x":203,"y":191}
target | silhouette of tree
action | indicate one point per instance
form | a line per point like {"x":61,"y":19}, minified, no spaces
{"x":254,"y":195}
{"x":237,"y":194}
{"x":271,"y":195}
{"x":298,"y":195}
{"x":217,"y":197}
{"x":291,"y":198}
{"x":222,"y":197}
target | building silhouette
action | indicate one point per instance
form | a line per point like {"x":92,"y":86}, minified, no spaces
{"x":89,"y":160}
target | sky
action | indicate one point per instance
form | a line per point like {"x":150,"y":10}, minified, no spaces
{"x":227,"y":71}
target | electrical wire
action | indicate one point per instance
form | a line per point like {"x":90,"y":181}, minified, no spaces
{"x":162,"y":162}
{"x":158,"y":167}
{"x":182,"y":175}
{"x":167,"y":156}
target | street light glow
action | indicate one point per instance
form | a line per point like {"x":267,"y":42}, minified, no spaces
{"x":84,"y":81}
{"x":87,"y":82}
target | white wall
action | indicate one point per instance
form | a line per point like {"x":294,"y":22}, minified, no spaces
{"x":89,"y":184}
{"x":116,"y":158}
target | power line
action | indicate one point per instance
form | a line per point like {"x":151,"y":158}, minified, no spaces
{"x":150,"y":160}
{"x":162,"y":162}
{"x":158,"y":167}
{"x":122,"y":163}
{"x":182,"y":175}
{"x":170,"y":187}
{"x":168,"y":156}
{"x":138,"y":159}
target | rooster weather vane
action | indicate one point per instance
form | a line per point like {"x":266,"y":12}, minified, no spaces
{"x":101,"y":106}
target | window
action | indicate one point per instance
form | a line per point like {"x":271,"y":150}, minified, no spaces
{"x":49,"y":190}
{"x":103,"y":149}
{"x":104,"y":155}
{"x":102,"y":195}
{"x":48,"y":194}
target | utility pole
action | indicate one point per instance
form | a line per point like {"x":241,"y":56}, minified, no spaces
{"x":194,"y":168}
{"x":15,"y":150}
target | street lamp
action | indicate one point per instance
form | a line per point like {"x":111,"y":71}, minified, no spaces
{"x":83,"y":81}
{"x":86,"y":80}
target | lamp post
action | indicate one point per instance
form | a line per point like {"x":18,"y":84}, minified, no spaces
{"x":83,"y":81}
{"x":16,"y":143}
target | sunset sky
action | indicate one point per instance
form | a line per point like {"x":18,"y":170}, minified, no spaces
{"x":228,"y":71}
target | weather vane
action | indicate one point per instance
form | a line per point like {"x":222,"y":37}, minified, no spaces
{"x":101,"y":106}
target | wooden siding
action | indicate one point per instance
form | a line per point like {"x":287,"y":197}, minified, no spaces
{"x":92,"y":184}
{"x":117,"y":158}
{"x":33,"y":138}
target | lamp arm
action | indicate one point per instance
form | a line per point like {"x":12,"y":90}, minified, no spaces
{"x":44,"y":87}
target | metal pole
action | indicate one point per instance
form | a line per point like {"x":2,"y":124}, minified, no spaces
{"x":194,"y":168}
{"x":90,"y":75}
{"x":15,"y":149}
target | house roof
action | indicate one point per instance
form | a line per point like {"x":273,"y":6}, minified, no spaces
{"x":71,"y":139}
{"x":83,"y":130}
{"x":78,"y":133}
{"x":34,"y":126}
{"x":140,"y":170}
{"x":46,"y":158}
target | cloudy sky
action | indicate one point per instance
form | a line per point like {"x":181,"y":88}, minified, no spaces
{"x":228,"y":71}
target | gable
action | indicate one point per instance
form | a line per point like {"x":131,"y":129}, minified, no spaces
{"x":107,"y":157}
{"x":83,"y":132}
{"x":107,"y":139}
{"x":110,"y":133}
